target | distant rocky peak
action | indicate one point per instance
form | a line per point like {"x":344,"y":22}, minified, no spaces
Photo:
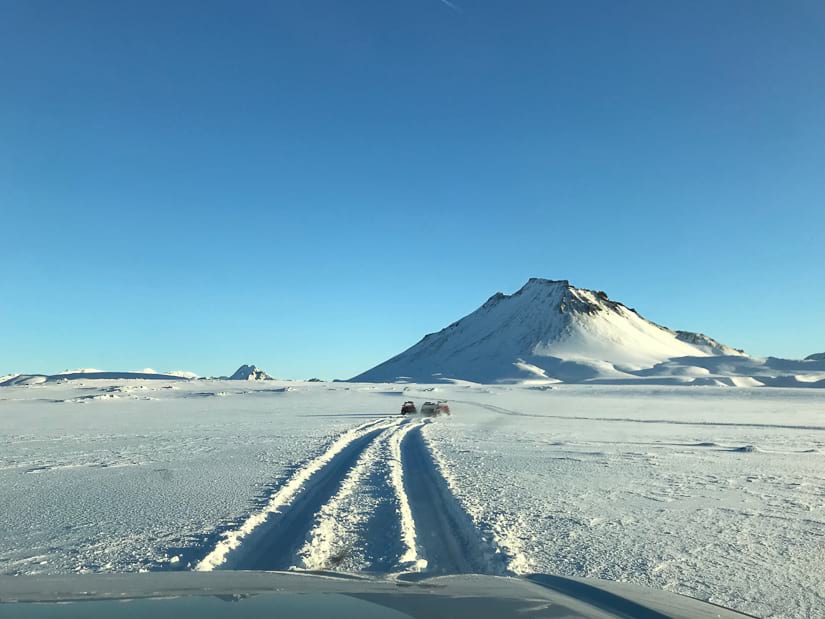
{"x":250,"y":372}
{"x":708,"y":344}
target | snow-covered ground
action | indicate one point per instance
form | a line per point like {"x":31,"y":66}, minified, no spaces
{"x":717,"y":493}
{"x":714,"y":493}
{"x":114,"y":476}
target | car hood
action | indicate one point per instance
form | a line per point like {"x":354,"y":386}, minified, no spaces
{"x":301,"y":594}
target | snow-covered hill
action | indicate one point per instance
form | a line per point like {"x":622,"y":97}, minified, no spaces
{"x":92,"y":374}
{"x":250,"y":372}
{"x":551,"y":331}
{"x":178,"y":373}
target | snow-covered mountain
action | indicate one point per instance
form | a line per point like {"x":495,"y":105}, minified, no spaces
{"x":178,"y":373}
{"x":551,"y":331}
{"x":92,"y":374}
{"x":250,"y":372}
{"x":819,"y":356}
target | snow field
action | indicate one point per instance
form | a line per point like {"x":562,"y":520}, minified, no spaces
{"x":128,"y":485}
{"x":499,"y":531}
{"x":713,"y":493}
{"x":710,"y":492}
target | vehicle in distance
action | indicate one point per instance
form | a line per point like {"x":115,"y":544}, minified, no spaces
{"x":433,"y":409}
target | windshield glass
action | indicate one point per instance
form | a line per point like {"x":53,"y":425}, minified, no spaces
{"x":414,"y":289}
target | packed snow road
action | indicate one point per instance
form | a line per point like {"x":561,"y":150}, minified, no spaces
{"x":433,"y":534}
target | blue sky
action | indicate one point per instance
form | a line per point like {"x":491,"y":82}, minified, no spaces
{"x":313,"y":186}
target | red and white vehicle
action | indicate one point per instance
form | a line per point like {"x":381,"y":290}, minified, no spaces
{"x":433,"y":409}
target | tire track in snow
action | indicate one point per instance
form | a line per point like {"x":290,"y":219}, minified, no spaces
{"x":502,"y":530}
{"x":314,"y":520}
{"x":310,"y":487}
{"x":674,"y":422}
{"x":432,"y":533}
{"x":444,"y":533}
{"x":329,"y":544}
{"x":411,"y":559}
{"x":367,"y":525}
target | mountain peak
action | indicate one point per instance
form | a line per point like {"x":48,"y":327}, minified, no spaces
{"x":542,"y":281}
{"x":534,"y":285}
{"x":561,"y":295}
{"x":250,"y":372}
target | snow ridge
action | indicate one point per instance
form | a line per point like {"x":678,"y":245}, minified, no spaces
{"x":708,"y":344}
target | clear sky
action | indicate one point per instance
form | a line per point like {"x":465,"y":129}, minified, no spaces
{"x":312,"y":186}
